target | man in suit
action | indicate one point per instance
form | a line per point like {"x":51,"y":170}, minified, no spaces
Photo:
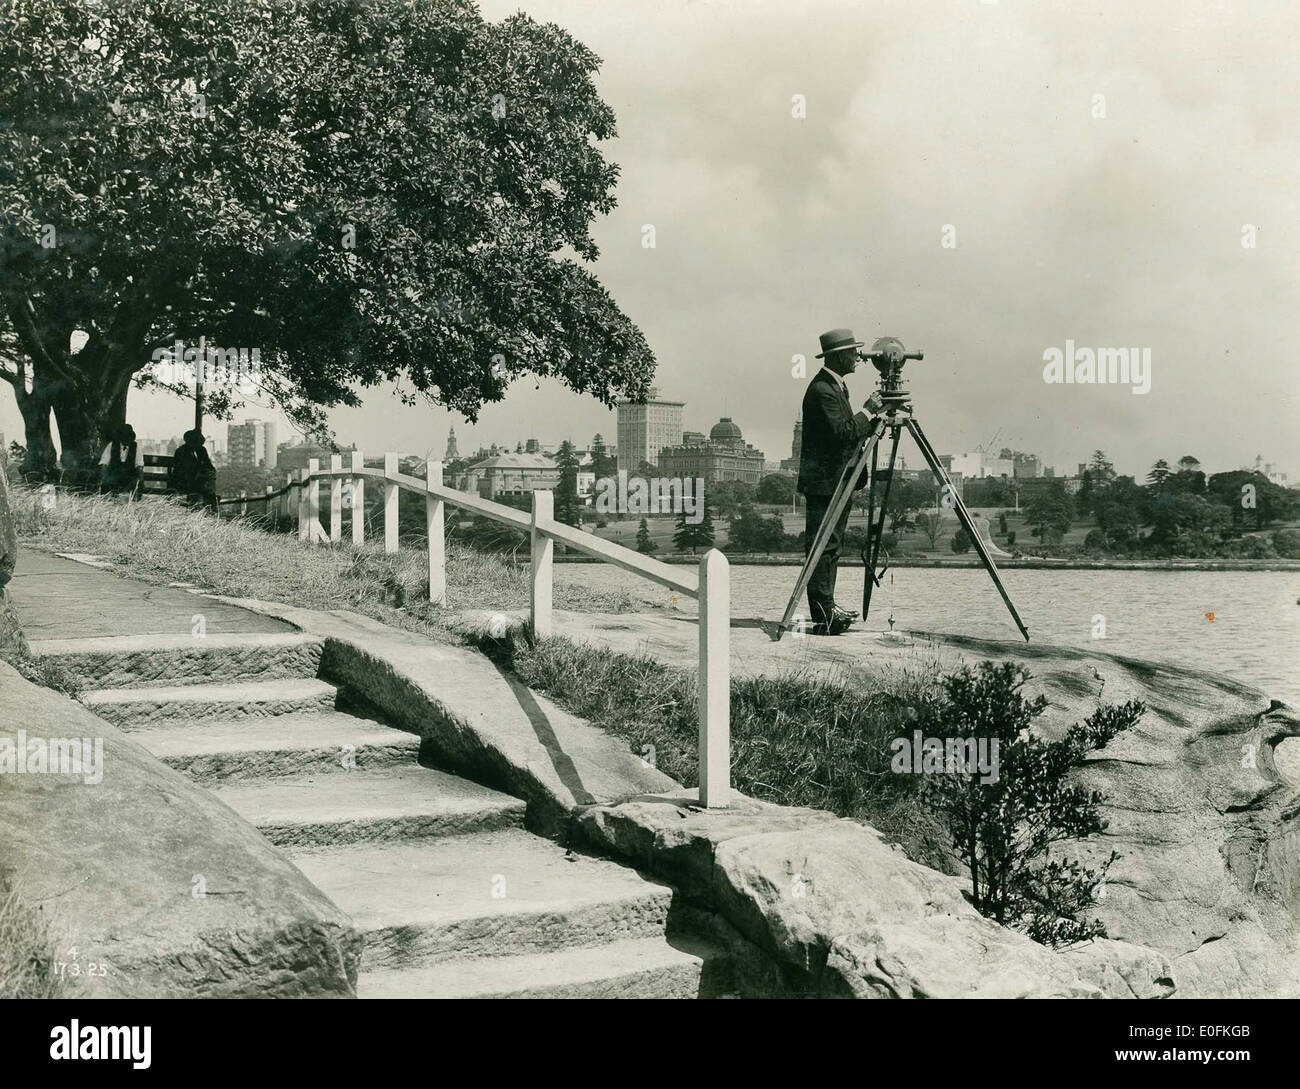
{"x":831,"y":434}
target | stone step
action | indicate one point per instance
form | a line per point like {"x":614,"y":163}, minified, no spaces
{"x":323,"y":742}
{"x":140,"y":708}
{"x":370,"y":806}
{"x":137,"y":661}
{"x":642,"y":968}
{"x":493,"y":894}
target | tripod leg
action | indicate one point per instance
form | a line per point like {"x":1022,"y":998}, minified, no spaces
{"x":876,"y":530}
{"x":843,"y":493}
{"x":963,"y":516}
{"x":871,"y":507}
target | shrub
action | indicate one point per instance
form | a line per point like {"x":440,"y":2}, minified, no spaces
{"x":960,"y":541}
{"x":1286,"y":542}
{"x":1005,"y":827}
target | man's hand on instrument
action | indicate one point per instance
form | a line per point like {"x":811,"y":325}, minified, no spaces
{"x":874,"y":403}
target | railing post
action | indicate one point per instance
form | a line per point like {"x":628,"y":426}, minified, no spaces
{"x":243,"y":503}
{"x":715,"y":680}
{"x":433,"y":517}
{"x":543,"y":551}
{"x":266,"y":503}
{"x":304,"y":523}
{"x":390,"y":503}
{"x":336,"y":499}
{"x":358,"y":501}
{"x":313,"y":499}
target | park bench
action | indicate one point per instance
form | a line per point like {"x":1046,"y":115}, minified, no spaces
{"x":155,"y":475}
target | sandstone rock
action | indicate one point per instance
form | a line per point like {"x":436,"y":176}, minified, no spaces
{"x":1121,"y":970}
{"x":838,"y":912}
{"x":153,"y":881}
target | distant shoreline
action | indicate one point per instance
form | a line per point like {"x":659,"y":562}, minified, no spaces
{"x":1030,"y":562}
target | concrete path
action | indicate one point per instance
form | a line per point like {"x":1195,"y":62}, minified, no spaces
{"x":58,"y":598}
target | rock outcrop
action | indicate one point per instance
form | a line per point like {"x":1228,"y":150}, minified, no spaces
{"x":840,"y":913}
{"x":153,"y":887}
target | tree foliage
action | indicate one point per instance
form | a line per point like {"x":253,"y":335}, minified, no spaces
{"x":644,"y":542}
{"x":568,"y":507}
{"x":368,"y":193}
{"x":1050,"y":512}
{"x":777,"y":488}
{"x":688,"y":536}
{"x":748,"y":530}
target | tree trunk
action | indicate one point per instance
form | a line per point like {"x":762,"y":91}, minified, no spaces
{"x":87,"y":420}
{"x":79,"y":439}
{"x":40,"y":463}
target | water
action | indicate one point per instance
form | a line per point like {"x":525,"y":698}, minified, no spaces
{"x":1158,"y":615}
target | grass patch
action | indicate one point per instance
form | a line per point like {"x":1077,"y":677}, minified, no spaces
{"x":161,"y":541}
{"x":797,"y":739}
{"x":27,"y":949}
{"x":45,"y":672}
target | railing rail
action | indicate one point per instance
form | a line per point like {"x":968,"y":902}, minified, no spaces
{"x":709,"y":584}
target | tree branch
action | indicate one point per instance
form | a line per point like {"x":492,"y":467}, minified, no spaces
{"x":20,"y":313}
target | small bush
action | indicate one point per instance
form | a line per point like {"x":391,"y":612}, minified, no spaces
{"x":960,"y":541}
{"x":1005,"y":828}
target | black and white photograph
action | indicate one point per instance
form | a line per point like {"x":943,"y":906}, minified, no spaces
{"x":650,"y":499}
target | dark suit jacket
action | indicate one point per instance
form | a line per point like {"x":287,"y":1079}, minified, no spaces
{"x":831,"y":430}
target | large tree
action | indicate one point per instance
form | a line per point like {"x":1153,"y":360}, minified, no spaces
{"x":379,"y":192}
{"x":1050,"y":512}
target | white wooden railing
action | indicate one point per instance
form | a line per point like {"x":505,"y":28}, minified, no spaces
{"x":709,"y":584}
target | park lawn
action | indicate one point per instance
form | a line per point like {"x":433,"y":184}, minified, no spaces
{"x":797,"y":740}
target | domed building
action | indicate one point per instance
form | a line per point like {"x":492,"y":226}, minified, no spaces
{"x":726,"y":432}
{"x":724,"y":455}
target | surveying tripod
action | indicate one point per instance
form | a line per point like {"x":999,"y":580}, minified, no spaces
{"x":887,"y":356}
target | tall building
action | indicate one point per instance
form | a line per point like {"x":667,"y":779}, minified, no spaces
{"x":1027,"y":465}
{"x":723,"y":456}
{"x":252,"y":443}
{"x":451,"y":453}
{"x":644,"y":430}
{"x":791,"y":464}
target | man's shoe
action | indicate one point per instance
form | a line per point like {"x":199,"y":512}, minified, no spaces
{"x":840,"y":623}
{"x":838,"y":613}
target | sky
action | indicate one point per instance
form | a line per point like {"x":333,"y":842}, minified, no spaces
{"x":1111,"y":222}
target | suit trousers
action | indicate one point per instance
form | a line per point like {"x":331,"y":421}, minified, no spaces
{"x":821,"y":587}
